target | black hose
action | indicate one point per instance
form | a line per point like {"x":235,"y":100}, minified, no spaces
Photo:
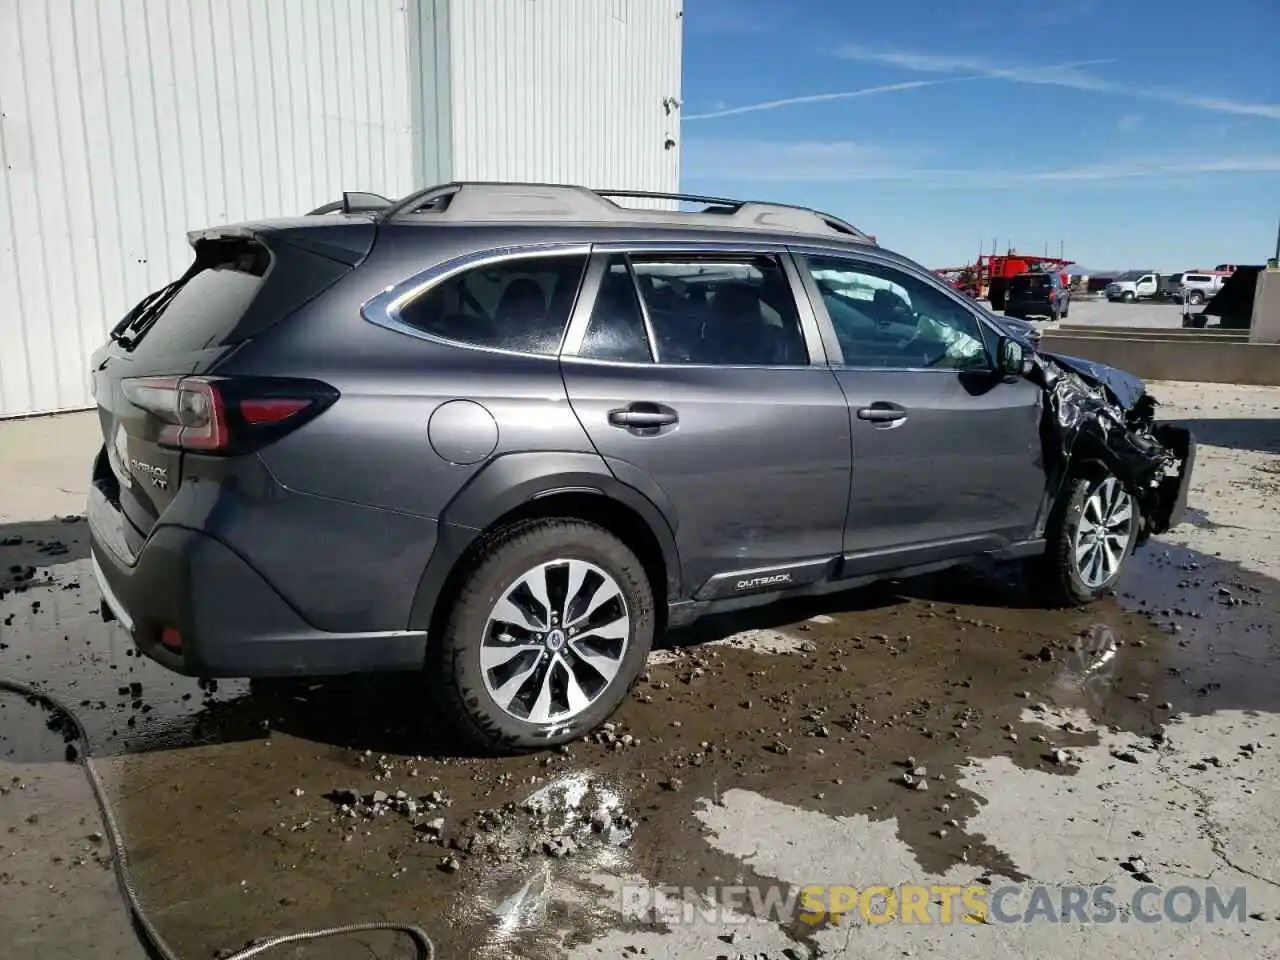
{"x":425,"y":949}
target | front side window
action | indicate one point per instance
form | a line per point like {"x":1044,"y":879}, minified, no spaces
{"x":522,"y":304}
{"x":885,"y":317}
{"x":720,"y":310}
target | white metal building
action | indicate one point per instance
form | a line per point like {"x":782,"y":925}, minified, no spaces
{"x":126,"y":123}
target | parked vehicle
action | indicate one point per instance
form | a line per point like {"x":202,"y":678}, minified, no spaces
{"x":1198,"y":288}
{"x":502,"y":435}
{"x":1232,"y":305}
{"x":1134,"y":286}
{"x":1038,"y":295}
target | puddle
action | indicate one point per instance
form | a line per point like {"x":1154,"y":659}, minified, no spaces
{"x":743,"y":730}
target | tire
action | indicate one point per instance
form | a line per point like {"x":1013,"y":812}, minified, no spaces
{"x":1066,"y":310}
{"x":1195,"y":298}
{"x":1129,"y":297}
{"x":548,"y":552}
{"x":1065,"y":575}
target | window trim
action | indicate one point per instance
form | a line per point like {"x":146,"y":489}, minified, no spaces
{"x":810,"y":329}
{"x":803,"y":254}
{"x":384,"y":309}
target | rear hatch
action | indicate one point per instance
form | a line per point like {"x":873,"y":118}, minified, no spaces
{"x":161,"y":405}
{"x":1027,"y":287}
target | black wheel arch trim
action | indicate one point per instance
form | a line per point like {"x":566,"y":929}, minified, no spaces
{"x":509,"y":482}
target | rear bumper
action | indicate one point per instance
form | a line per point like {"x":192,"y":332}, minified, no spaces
{"x":1029,"y":308}
{"x":232,"y":622}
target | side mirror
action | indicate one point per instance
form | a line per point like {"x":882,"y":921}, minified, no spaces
{"x":1013,"y":359}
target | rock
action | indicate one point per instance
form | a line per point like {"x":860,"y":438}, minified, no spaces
{"x":674,"y":784}
{"x":379,"y":798}
{"x":450,"y":865}
{"x":1060,"y":757}
{"x":920,"y":772}
{"x":779,"y":748}
{"x":562,"y":846}
{"x":1128,"y":756}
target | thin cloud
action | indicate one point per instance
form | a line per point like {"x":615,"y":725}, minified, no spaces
{"x":1067,"y":75}
{"x":920,"y":63}
{"x":822,"y":97}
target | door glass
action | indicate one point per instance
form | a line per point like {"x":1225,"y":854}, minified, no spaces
{"x":725,"y":311}
{"x":616,"y":331}
{"x":884,"y":317}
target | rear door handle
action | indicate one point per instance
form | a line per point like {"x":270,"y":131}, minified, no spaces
{"x":642,"y":416}
{"x":882,"y":411}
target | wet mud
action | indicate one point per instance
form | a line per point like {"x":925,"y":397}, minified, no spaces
{"x":265,"y":808}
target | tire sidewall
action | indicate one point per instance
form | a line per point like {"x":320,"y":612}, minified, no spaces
{"x":495,"y":573}
{"x":1069,"y":525}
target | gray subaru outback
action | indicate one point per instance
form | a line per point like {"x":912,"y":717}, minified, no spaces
{"x":504,"y":434}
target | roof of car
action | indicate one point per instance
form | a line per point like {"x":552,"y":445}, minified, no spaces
{"x":562,"y":204}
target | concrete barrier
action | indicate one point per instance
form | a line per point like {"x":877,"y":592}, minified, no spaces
{"x":1225,"y":356}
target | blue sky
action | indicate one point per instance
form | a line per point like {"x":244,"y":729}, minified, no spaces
{"x":1136,"y":133}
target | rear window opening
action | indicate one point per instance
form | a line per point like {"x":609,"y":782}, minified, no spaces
{"x":1026,"y":283}
{"x":235,"y":289}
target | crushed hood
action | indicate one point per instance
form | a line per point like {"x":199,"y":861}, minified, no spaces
{"x":1124,"y":388}
{"x":1098,"y":413}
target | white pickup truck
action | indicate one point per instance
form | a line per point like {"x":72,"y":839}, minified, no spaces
{"x":1198,"y":286}
{"x":1133,"y":286}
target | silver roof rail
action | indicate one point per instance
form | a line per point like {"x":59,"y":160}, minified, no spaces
{"x":494,"y":202}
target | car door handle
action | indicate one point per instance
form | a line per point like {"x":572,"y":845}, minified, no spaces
{"x":643,"y":416}
{"x":883,"y":412}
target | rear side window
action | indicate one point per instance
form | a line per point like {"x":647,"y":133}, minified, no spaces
{"x":722,"y":311}
{"x":522,"y":304}
{"x":1196,"y":278}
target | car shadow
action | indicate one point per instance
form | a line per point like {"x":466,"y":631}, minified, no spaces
{"x":1237,"y":433}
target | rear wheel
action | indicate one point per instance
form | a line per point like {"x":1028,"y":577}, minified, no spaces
{"x":1195,"y":298}
{"x":1090,"y":535}
{"x":547,"y":635}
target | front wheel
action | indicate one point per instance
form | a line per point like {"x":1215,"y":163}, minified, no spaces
{"x":1129,"y":297}
{"x":547,"y":635}
{"x":1195,"y":298}
{"x":1090,"y":535}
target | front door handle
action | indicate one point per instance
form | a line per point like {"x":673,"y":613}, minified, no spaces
{"x":643,"y":416}
{"x":882,"y":411}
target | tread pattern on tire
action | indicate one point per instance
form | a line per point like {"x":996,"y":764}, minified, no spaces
{"x":444,"y":650}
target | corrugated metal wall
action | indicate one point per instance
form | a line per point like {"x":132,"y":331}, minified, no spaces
{"x":580,"y":91}
{"x":125,"y":123}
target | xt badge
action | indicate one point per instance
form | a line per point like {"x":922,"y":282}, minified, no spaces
{"x":159,"y":476}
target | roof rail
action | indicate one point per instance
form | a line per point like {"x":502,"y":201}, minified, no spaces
{"x":494,"y":202}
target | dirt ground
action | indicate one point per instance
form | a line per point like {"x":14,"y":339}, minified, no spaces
{"x":1131,"y":742}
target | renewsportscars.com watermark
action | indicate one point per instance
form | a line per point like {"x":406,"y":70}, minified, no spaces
{"x":816,"y":904}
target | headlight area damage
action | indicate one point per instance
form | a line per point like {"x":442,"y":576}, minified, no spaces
{"x":1102,"y":415}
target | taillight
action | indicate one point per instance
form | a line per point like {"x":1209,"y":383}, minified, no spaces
{"x":227,"y":414}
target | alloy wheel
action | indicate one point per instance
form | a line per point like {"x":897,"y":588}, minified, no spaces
{"x":555,"y":641}
{"x":1102,"y":536}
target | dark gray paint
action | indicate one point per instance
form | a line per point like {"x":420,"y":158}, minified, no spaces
{"x":766,"y":472}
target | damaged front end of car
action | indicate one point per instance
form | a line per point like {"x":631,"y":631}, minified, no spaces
{"x":1099,"y":415}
